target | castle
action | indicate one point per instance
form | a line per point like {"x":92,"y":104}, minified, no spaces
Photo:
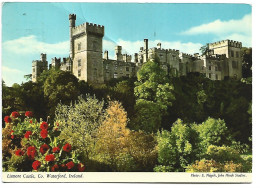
{"x":222,"y":59}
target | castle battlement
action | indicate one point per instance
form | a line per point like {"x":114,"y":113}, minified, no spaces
{"x":185,"y":55}
{"x":227,"y":42}
{"x":88,"y":27}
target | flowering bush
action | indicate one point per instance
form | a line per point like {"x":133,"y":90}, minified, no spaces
{"x":36,"y":147}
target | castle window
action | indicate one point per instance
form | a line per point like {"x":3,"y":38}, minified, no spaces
{"x":127,"y":68}
{"x":216,"y":68}
{"x":79,"y":62}
{"x":209,"y":75}
{"x":115,"y":75}
{"x":209,"y":67}
{"x":79,"y":72}
{"x":79,"y":46}
{"x":232,"y":53}
{"x":33,"y":69}
{"x":237,"y":54}
{"x":216,"y":76}
{"x":106,"y":67}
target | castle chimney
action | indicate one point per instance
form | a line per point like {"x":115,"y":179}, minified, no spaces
{"x":159,"y":45}
{"x":136,"y":58}
{"x":146,"y":49}
{"x":106,"y":54}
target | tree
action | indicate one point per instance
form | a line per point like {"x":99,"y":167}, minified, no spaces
{"x":177,"y":148}
{"x":143,"y":148}
{"x":154,"y":94}
{"x":246,"y":62}
{"x":213,"y":132}
{"x":60,"y":86}
{"x":111,"y":139}
{"x":147,"y":116}
{"x":79,"y":122}
{"x":153,"y":85}
{"x":205,"y":49}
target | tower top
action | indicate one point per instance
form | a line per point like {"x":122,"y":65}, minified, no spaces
{"x":72,"y":17}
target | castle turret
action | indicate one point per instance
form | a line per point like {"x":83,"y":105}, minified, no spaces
{"x":38,"y":66}
{"x":43,"y":57}
{"x":118,"y":51}
{"x":72,"y":19}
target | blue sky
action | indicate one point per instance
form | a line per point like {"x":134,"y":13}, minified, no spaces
{"x":29,"y":29}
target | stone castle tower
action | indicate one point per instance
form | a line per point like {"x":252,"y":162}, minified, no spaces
{"x":86,"y":51}
{"x":38,"y":66}
{"x":232,"y":50}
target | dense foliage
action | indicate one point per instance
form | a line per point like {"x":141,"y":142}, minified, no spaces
{"x":150,"y":123}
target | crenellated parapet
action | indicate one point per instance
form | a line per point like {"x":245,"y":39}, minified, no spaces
{"x":223,"y":43}
{"x":89,"y":28}
{"x":185,"y":55}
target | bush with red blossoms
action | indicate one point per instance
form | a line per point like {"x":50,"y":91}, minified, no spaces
{"x":7,"y":119}
{"x":28,"y":114}
{"x":36,"y":146}
{"x":15,"y":114}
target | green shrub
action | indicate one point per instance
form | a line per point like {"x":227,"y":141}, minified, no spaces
{"x":179,"y":147}
{"x":223,"y":154}
{"x":78,"y":123}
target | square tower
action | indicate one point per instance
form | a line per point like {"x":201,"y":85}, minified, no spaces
{"x":86,"y":51}
{"x":38,"y":66}
{"x":232,"y":50}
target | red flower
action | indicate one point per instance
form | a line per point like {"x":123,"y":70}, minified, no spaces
{"x":28,"y":114}
{"x":19,"y":152}
{"x":81,"y":167}
{"x":44,"y":148}
{"x":50,"y":157}
{"x":31,"y":152}
{"x":15,"y":114}
{"x":56,"y":150}
{"x":44,"y":133}
{"x":12,"y":134}
{"x":36,"y":165}
{"x":31,"y":121}
{"x":63,"y":166}
{"x":70,"y":165}
{"x":67,"y":147}
{"x":54,"y":168}
{"x":27,"y":134}
{"x":44,"y":125}
{"x":7,"y":119}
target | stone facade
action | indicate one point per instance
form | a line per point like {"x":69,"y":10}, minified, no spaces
{"x":223,"y":58}
{"x":38,"y":66}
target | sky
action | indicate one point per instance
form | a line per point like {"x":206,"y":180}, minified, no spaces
{"x":29,"y":29}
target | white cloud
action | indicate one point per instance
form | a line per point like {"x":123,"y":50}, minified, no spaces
{"x":11,"y":75}
{"x":243,"y":25}
{"x":31,"y":45}
{"x":10,"y":70}
{"x":240,"y":30}
{"x":131,"y":47}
